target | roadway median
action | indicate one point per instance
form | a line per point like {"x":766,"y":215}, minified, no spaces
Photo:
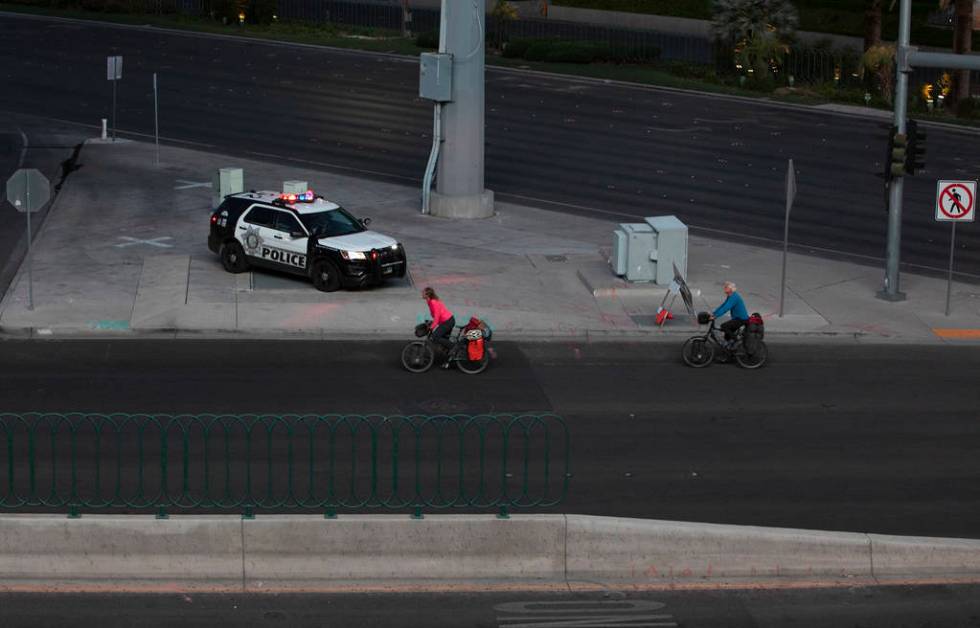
{"x":283,"y":553}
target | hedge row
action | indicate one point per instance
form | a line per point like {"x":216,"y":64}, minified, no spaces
{"x":559,"y":51}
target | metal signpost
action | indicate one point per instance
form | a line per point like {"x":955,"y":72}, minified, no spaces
{"x":790,"y":197}
{"x":908,"y":57}
{"x":956,"y":201}
{"x":114,"y":74}
{"x":28,"y":191}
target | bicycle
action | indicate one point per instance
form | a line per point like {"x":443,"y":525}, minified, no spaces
{"x":699,"y":351}
{"x":418,"y":356}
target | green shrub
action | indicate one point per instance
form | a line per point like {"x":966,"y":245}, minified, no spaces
{"x":571,"y":52}
{"x":227,"y":11}
{"x":261,"y":11}
{"x":428,"y":39}
{"x":688,"y":70}
{"x":538,"y":50}
{"x":969,"y":108}
{"x":516,"y":48}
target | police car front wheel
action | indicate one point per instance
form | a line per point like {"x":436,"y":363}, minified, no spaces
{"x":233,"y":257}
{"x":326,"y":277}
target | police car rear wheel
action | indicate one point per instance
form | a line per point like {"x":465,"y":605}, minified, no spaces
{"x":233,"y":257}
{"x":326,"y":277}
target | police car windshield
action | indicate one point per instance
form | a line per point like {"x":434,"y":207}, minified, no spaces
{"x":332,"y":223}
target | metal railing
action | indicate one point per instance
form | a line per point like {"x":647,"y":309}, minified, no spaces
{"x":282,"y":463}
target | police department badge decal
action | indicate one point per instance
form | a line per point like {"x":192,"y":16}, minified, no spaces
{"x":253,"y":240}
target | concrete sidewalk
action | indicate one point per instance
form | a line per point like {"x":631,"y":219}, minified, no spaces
{"x":124,"y":251}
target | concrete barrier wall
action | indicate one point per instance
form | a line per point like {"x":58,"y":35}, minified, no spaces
{"x":301,"y":549}
{"x":283,"y":552}
{"x":602,"y":548}
{"x":191,"y":551}
{"x":896,"y":556}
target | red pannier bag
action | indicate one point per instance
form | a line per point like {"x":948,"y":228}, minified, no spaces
{"x":474,"y":350}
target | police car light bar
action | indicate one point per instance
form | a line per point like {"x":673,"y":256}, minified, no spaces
{"x":305,"y":197}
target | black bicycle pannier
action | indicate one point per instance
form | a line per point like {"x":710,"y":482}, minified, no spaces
{"x":755,"y":331}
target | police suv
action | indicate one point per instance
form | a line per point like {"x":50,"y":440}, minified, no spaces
{"x":303,"y":234}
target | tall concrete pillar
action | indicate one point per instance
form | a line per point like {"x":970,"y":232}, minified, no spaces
{"x":460,"y":191}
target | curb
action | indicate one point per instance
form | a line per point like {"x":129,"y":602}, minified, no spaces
{"x":382,"y":335}
{"x":293,"y":553}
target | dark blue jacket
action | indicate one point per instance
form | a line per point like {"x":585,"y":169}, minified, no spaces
{"x":736,"y":306}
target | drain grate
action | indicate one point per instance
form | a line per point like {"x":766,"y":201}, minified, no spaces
{"x":556,"y":258}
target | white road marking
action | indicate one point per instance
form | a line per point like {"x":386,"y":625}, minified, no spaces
{"x":187,"y":185}
{"x":157,"y":242}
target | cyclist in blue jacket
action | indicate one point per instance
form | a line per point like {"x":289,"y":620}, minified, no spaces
{"x":736,"y":306}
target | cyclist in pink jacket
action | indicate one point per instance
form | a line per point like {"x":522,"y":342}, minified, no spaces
{"x":443,"y":320}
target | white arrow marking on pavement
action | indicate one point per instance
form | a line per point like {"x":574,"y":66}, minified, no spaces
{"x":154,"y":242}
{"x":187,"y":185}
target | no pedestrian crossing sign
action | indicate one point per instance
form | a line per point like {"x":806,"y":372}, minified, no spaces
{"x":956,"y":201}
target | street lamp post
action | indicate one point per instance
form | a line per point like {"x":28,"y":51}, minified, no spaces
{"x":460,"y":191}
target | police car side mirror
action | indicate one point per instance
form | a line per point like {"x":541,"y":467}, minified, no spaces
{"x":296,"y":234}
{"x":365,"y":221}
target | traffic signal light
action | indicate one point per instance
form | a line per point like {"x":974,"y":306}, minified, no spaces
{"x":897,"y":154}
{"x":915,"y":155}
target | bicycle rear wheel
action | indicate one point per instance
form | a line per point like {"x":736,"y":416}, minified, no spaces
{"x":754,"y":360}
{"x":418,"y":356}
{"x":698,"y":352}
{"x":473,"y":367}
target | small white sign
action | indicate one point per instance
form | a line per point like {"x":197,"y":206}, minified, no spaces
{"x":956,"y":201}
{"x":114,"y":68}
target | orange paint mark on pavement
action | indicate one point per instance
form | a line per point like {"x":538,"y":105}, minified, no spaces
{"x":958,"y":334}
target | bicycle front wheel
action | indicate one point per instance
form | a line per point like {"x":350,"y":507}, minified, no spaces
{"x":418,"y":356}
{"x":698,"y":352}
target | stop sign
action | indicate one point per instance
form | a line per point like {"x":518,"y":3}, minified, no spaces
{"x":28,"y":190}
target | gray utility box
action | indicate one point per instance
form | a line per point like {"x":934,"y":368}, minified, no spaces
{"x":436,"y":76}
{"x":295,"y":187}
{"x":649,"y":250}
{"x":226,"y":181}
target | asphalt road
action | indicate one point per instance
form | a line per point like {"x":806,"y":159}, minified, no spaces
{"x":857,"y":607}
{"x":860,"y":438}
{"x":596,"y":149}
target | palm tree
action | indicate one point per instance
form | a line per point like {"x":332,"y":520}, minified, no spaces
{"x":962,"y":44}
{"x":759,"y":31}
{"x":872,"y":23}
{"x":741,"y":20}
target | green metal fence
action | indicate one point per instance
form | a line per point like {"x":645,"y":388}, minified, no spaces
{"x":245,"y":463}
